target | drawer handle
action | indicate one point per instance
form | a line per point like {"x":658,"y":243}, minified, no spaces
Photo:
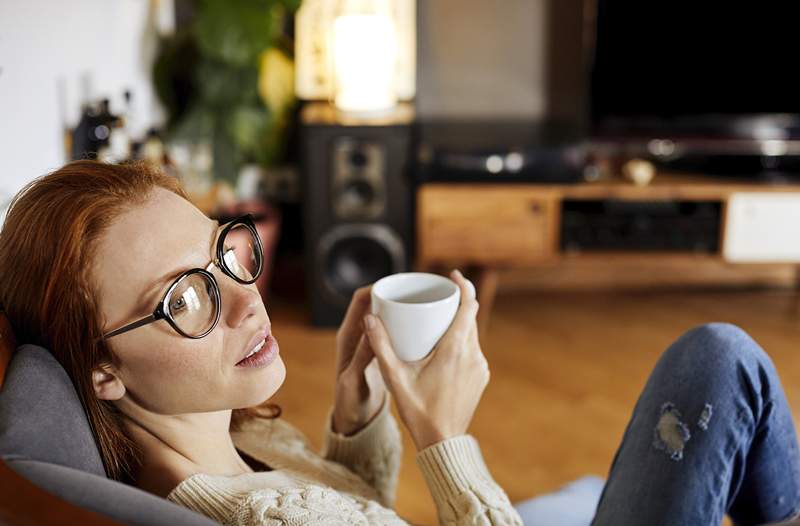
{"x":536,"y":208}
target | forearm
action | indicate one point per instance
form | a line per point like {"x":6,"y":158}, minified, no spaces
{"x":374,"y":453}
{"x":462,"y":487}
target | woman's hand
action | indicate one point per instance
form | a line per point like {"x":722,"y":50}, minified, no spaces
{"x":437,"y":395}
{"x":360,"y":389}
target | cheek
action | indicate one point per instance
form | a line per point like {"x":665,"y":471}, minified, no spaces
{"x":174,"y":375}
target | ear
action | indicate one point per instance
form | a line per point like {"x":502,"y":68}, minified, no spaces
{"x":107,"y":383}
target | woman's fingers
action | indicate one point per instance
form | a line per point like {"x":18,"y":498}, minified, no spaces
{"x":350,"y":330}
{"x":391,"y":365}
{"x":466,"y":286}
{"x":473,"y":334}
{"x":359,"y":305}
{"x":465,"y":315}
{"x":362,"y":356}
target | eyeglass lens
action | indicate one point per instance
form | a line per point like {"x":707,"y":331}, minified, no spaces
{"x":193,"y":304}
{"x":241,"y":255}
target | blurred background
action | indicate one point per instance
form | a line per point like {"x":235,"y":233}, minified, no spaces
{"x":608,"y":173}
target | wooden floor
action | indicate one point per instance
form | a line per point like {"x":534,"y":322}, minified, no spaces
{"x":566,"y":371}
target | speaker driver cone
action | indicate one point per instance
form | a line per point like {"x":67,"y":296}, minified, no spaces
{"x":355,"y":255}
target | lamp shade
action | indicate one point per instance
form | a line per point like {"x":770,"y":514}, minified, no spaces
{"x":365,"y":56}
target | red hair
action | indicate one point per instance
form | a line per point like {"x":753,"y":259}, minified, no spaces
{"x":47,"y":246}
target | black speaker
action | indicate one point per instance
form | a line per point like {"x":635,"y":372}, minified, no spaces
{"x":357,"y":205}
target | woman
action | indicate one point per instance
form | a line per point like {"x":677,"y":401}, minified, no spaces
{"x":150,"y":307}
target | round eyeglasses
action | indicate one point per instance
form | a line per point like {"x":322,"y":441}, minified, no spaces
{"x":191,"y":304}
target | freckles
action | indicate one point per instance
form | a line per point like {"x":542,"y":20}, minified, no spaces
{"x":187,"y":359}
{"x":197,"y":361}
{"x":178,"y":361}
{"x":166,"y":358}
{"x":164,"y":364}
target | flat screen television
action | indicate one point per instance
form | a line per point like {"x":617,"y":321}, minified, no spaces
{"x":706,"y":72}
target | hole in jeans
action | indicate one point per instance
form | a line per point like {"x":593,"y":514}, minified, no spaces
{"x":705,"y":417}
{"x":671,"y":434}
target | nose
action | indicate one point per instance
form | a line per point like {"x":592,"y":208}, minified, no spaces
{"x":239,"y":302}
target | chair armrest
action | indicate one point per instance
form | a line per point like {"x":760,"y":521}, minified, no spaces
{"x":25,"y":503}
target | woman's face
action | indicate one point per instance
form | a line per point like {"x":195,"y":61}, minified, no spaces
{"x":157,"y":369}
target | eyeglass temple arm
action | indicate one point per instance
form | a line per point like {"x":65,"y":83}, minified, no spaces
{"x":131,"y":326}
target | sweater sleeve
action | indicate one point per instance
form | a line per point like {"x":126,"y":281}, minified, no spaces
{"x":374,"y":453}
{"x":462,"y":487}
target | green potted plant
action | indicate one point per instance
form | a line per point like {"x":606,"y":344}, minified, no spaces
{"x":227,"y":77}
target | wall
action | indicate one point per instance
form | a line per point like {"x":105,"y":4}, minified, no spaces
{"x":509,"y":59}
{"x":46,"y":47}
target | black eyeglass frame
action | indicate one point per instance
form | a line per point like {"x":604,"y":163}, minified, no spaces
{"x":161,"y":311}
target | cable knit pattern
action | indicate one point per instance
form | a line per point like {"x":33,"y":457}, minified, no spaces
{"x":353,"y":480}
{"x":462,"y":487}
{"x":374,"y":453}
{"x":312,"y":505}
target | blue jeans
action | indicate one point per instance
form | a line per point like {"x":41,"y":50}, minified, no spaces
{"x":711,"y":434}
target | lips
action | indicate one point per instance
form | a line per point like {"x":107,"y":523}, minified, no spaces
{"x":257,"y":338}
{"x":266,"y":354}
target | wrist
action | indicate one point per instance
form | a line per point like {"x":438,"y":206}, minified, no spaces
{"x":348,"y":425}
{"x":427,"y":439}
{"x":344,"y":425}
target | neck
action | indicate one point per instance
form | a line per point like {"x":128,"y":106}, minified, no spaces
{"x":193,"y":443}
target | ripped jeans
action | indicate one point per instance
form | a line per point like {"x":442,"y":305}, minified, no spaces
{"x":711,"y":434}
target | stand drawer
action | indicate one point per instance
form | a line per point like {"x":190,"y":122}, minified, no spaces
{"x":499,"y":225}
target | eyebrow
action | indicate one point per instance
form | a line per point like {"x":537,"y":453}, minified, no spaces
{"x":170,"y":276}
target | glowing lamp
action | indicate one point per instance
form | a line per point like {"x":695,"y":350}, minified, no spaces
{"x":365,"y":62}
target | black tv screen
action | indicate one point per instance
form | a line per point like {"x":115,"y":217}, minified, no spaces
{"x":697,"y":68}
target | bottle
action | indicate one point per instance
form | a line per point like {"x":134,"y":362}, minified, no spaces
{"x":82,"y":145}
{"x":104,"y":123}
{"x":153,"y":148}
{"x":92,"y":132}
{"x":119,"y":141}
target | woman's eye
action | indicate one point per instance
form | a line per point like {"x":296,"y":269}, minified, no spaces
{"x":178,"y":305}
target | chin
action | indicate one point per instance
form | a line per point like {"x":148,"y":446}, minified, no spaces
{"x":268,"y":384}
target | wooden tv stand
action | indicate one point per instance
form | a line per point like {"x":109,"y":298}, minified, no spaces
{"x":488,"y":227}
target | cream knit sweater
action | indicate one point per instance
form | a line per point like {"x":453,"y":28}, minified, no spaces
{"x":352,"y":482}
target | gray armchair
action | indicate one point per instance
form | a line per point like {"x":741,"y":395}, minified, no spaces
{"x":56,"y":474}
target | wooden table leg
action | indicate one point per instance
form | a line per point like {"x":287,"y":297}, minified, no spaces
{"x":796,"y":302}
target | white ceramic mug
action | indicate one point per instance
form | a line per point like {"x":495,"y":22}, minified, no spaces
{"x":416,"y":308}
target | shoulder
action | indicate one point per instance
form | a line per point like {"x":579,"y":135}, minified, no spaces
{"x":237,"y":486}
{"x":163,"y":478}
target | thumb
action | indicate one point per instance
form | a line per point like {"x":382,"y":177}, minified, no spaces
{"x":378,"y":338}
